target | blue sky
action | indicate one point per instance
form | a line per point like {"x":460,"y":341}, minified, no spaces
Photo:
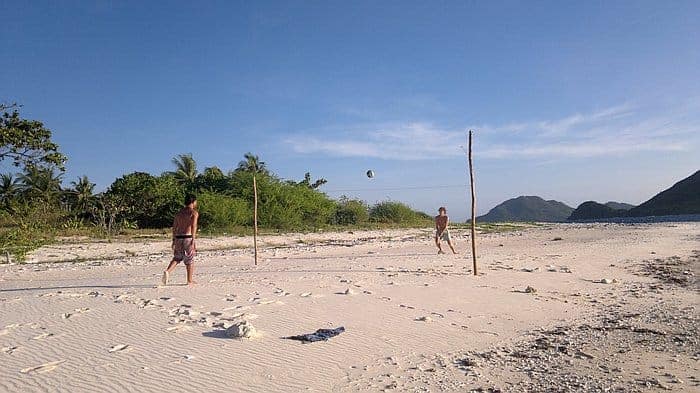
{"x":569,"y":100}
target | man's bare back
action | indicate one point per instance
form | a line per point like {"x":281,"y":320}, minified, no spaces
{"x":185,"y":222}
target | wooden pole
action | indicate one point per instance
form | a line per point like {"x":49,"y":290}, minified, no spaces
{"x":255,"y":219}
{"x":471,"y":182}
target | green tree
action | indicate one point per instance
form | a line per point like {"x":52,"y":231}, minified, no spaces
{"x":218,"y":211}
{"x":26,"y":142}
{"x":351,"y":212}
{"x":41,"y":183}
{"x":149,"y":201}
{"x":185,"y":170}
{"x":212,"y":179}
{"x":9,"y":188}
{"x":82,"y":193}
{"x":252,"y":163}
{"x":313,"y":185}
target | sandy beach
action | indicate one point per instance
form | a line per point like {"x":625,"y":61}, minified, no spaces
{"x":610,"y":307}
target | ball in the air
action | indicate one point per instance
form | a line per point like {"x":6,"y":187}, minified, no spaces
{"x":370,"y":173}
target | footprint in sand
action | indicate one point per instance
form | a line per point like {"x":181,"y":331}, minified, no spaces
{"x":9,"y":350}
{"x":118,"y":348}
{"x":305,"y":294}
{"x":44,"y":368}
{"x":42,"y":336}
{"x":75,"y":312}
{"x":4,"y":332}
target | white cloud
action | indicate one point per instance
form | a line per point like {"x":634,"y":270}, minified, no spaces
{"x":412,"y":141}
{"x":617,"y":130}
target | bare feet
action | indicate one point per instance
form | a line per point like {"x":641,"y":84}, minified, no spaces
{"x":441,"y":252}
{"x":191,"y":283}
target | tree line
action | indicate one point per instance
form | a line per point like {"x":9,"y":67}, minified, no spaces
{"x":34,"y":200}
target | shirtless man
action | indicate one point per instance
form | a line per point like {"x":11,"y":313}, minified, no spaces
{"x":441,"y":231}
{"x":184,"y":233}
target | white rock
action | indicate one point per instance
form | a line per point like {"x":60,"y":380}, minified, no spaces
{"x":241,"y":329}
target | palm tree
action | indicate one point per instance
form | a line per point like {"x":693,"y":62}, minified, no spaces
{"x":9,"y":188}
{"x":83,"y":190}
{"x":186,"y":169}
{"x":251,"y":163}
{"x":41,"y":183}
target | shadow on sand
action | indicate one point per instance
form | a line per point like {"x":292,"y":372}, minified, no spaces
{"x":218,"y":333}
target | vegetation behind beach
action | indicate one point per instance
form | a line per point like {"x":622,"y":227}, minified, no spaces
{"x":36,"y":205}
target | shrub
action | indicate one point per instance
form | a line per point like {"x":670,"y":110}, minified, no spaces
{"x":389,"y":212}
{"x":218,"y":211}
{"x":151,"y":201}
{"x":351,"y":212}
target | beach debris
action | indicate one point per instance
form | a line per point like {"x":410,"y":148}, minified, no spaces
{"x":556,"y":239}
{"x":318,"y":335}
{"x":608,"y":281}
{"x":43,"y":368}
{"x":530,"y":269}
{"x":530,"y":289}
{"x":348,"y":292}
{"x":188,"y":357}
{"x":305,"y":294}
{"x":424,"y":319}
{"x":241,"y":329}
{"x":117,"y":348}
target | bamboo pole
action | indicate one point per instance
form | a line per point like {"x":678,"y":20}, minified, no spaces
{"x":255,"y":218}
{"x":471,"y":182}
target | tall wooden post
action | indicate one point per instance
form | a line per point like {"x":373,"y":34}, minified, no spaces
{"x":471,"y":178}
{"x":255,"y":218}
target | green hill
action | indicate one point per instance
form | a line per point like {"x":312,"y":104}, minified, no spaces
{"x":619,"y":205}
{"x":528,"y":208}
{"x":593,"y":210}
{"x":682,"y":198}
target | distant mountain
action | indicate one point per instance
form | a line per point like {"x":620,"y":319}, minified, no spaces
{"x":528,"y":208}
{"x":619,"y":205}
{"x":593,"y":210}
{"x":682,"y":198}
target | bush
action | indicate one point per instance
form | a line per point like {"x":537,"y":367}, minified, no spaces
{"x":389,"y":212}
{"x":283,"y":205}
{"x":30,"y":226}
{"x":218,"y":211}
{"x":351,"y":212}
{"x":151,"y":201}
{"x":287,"y":206}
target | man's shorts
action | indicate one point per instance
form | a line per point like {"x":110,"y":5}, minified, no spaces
{"x":445,"y":236}
{"x":183,"y":250}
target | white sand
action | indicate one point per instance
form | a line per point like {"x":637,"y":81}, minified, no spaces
{"x":102,"y":325}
